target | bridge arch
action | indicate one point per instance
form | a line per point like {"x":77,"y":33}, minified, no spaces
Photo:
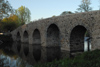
{"x":25,"y":37}
{"x":77,"y":37}
{"x":36,"y":37}
{"x":53,"y":42}
{"x":36,"y":45}
{"x":26,"y":43}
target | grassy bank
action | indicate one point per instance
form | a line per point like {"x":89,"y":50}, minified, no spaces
{"x":87,"y":59}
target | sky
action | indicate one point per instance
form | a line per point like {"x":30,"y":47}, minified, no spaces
{"x":48,"y":8}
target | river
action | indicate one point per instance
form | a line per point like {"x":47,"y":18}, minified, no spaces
{"x":10,"y":58}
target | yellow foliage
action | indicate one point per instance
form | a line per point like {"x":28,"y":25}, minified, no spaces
{"x":23,"y":14}
{"x":5,"y":20}
{"x":10,"y":23}
{"x":11,"y":19}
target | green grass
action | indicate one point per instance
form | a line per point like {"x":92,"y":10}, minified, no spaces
{"x":87,"y":59}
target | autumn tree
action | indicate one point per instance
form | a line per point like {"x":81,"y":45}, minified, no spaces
{"x":14,"y":18}
{"x":10,"y":23}
{"x":85,"y":6}
{"x":23,"y":14}
{"x":5,"y":9}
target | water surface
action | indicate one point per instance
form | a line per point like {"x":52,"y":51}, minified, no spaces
{"x":18,"y":55}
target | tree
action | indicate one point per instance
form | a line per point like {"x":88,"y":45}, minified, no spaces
{"x":66,"y":13}
{"x":13,"y":18}
{"x":5,"y":9}
{"x":9,"y":24}
{"x":85,"y":6}
{"x":23,"y":14}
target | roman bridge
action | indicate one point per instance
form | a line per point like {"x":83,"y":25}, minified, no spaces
{"x":64,"y":34}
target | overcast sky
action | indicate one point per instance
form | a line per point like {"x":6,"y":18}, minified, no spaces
{"x":47,"y":8}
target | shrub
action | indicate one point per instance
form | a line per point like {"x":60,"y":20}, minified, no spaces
{"x":87,"y":59}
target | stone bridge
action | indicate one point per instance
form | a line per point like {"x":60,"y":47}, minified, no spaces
{"x":61,"y":35}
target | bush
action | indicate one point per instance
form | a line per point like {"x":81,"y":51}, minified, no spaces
{"x":87,"y":59}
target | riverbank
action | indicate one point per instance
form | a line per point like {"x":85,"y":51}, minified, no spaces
{"x":87,"y":59}
{"x":5,"y":37}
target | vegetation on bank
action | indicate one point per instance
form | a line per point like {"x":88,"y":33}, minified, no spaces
{"x":87,"y":59}
{"x":11,"y":18}
{"x":6,"y":38}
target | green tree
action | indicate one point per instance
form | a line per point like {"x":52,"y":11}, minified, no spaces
{"x":14,"y":18}
{"x":5,"y":9}
{"x":23,"y":14}
{"x":66,"y":13}
{"x":9,"y":24}
{"x":1,"y":26}
{"x":85,"y":6}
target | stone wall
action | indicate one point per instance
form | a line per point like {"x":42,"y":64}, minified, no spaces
{"x":58,"y":31}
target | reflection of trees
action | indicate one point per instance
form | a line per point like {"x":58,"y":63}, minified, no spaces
{"x":4,"y":61}
{"x":6,"y":50}
{"x":12,"y":60}
{"x":22,"y":63}
{"x":1,"y":62}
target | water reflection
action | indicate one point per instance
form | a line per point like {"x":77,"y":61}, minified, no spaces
{"x":26,"y":49}
{"x":37,"y":52}
{"x":18,"y":46}
{"x":24,"y":55}
{"x":9,"y":58}
{"x":53,"y":53}
{"x":34,"y":53}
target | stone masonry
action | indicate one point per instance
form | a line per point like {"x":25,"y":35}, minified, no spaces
{"x":63,"y":33}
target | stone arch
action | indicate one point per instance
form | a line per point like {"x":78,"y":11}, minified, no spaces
{"x":25,"y":37}
{"x":77,"y":39}
{"x":36,"y":37}
{"x":25,"y":34}
{"x":53,"y":42}
{"x":26,"y":43}
{"x":36,"y":45}
{"x":18,"y":36}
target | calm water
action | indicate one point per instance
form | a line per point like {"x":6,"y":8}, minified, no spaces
{"x":10,"y":58}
